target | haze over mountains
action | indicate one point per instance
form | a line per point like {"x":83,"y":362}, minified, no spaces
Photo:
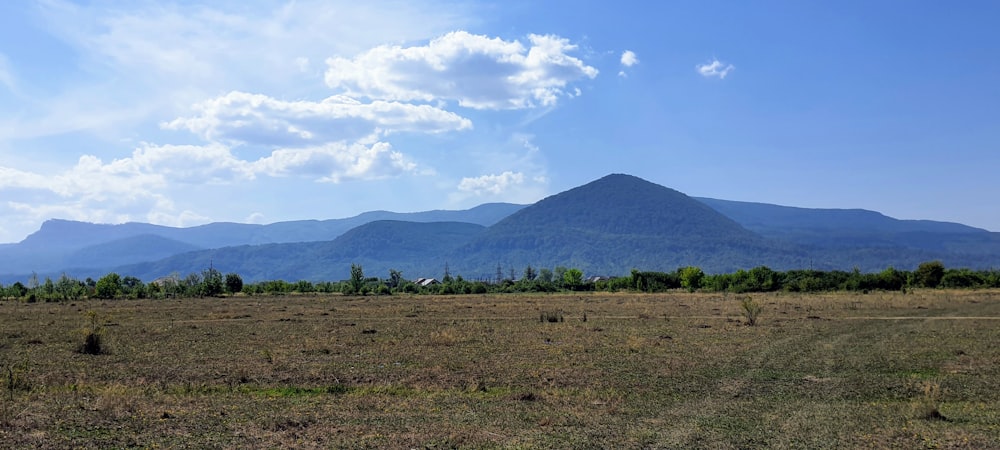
{"x":605,"y":227}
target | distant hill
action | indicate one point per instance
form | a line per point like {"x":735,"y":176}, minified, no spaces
{"x":415,"y":248}
{"x":605,"y":227}
{"x":127,"y":250}
{"x":60,"y":244}
{"x":617,"y":223}
{"x":766,"y":218}
{"x":845,"y":234}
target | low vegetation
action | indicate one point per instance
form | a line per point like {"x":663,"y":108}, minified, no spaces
{"x":614,"y":370}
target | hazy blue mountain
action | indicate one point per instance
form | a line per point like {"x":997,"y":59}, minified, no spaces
{"x":58,"y":243}
{"x":617,"y":223}
{"x":608,"y":227}
{"x":763,"y":218}
{"x":124,"y":251}
{"x":858,"y":229}
{"x":411,"y":247}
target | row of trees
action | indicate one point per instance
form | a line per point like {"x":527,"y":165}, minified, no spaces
{"x":209,"y":283}
{"x":212,"y":283}
{"x":931,"y":274}
{"x":759,"y":279}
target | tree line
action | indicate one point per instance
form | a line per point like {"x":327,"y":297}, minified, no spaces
{"x":212,"y":283}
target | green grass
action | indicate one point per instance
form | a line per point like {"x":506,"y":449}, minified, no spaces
{"x":676,"y":371}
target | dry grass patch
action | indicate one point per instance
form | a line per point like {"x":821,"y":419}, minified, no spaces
{"x":672,"y":370}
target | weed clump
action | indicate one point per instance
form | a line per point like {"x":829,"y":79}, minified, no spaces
{"x":927,"y":407}
{"x":751,"y":310}
{"x":550,"y":317}
{"x":15,"y":377}
{"x":93,"y":336}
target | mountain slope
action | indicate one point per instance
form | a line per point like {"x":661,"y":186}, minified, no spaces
{"x":855,"y":229}
{"x":412,"y":247}
{"x":617,"y":223}
{"x":56,"y":245}
{"x":608,"y":227}
{"x":127,"y":250}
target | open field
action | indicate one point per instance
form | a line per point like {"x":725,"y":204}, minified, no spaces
{"x":618,"y":371}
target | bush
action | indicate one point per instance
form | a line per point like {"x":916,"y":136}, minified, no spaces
{"x":551,"y":317}
{"x":93,"y":336}
{"x":751,"y":310}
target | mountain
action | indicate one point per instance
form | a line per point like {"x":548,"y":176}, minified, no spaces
{"x":411,"y":247}
{"x":606,"y":227}
{"x":617,"y":223}
{"x":857,"y":232}
{"x":124,"y":251}
{"x":60,"y":244}
{"x":766,"y":218}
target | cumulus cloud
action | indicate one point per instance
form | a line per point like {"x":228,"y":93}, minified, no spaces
{"x":476,"y":71}
{"x":491,"y":184}
{"x":141,"y":186}
{"x":336,"y":162}
{"x":255,"y":118}
{"x":715,"y":68}
{"x":251,"y":46}
{"x":629,"y":59}
{"x":152,"y":168}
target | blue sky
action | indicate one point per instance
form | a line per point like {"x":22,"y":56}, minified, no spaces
{"x":182,"y":113}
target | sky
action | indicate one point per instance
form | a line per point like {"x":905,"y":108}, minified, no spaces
{"x":182,"y":113}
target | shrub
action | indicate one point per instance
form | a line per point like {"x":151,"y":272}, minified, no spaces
{"x":551,"y":317}
{"x":751,"y":310}
{"x":93,"y":335}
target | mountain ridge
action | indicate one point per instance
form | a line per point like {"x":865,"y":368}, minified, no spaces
{"x":607,"y":226}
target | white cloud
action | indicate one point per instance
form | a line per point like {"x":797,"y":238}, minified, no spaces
{"x":715,"y":68}
{"x":629,"y":59}
{"x":254,"y":118}
{"x":476,"y":71}
{"x":220,"y":43}
{"x":196,"y":164}
{"x":491,"y":184}
{"x":141,"y":186}
{"x":256,"y":217}
{"x":336,"y":162}
{"x":132,"y":61}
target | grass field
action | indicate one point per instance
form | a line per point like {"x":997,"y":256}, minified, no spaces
{"x":681,"y":370}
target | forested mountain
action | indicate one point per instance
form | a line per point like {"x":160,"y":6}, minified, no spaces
{"x":621,"y":222}
{"x":865,"y":238}
{"x":605,"y":227}
{"x":60,"y":244}
{"x":415,"y":248}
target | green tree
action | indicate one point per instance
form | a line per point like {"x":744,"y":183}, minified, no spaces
{"x":68,"y":288}
{"x":17,"y":290}
{"x":212,"y":283}
{"x":133,"y":287}
{"x":48,"y":289}
{"x":357,"y":281}
{"x":691,"y":278}
{"x":108,"y":286}
{"x":395,"y":278}
{"x":929,"y":274}
{"x":573,"y":278}
{"x":234,"y":283}
{"x":545,"y":275}
{"x":191,"y":285}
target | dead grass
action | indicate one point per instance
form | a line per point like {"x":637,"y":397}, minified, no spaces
{"x":672,"y":370}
